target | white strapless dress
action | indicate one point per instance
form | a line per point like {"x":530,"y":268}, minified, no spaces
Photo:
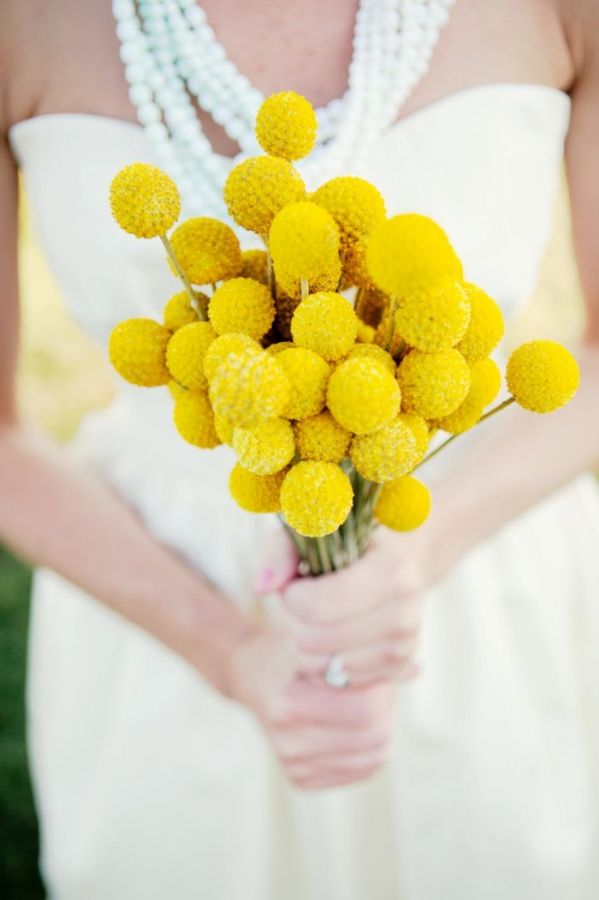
{"x":149,"y":784}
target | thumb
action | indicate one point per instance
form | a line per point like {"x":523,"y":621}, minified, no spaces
{"x":279,"y":565}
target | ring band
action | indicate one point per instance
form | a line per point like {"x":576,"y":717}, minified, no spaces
{"x":335,"y":674}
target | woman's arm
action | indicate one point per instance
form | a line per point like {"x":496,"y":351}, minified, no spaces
{"x":374,"y":619}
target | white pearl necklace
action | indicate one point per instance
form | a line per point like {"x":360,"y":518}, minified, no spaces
{"x":172,"y":55}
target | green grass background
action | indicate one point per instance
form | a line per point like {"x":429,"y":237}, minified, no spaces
{"x":62,"y":374}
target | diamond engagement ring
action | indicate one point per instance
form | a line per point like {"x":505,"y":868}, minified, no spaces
{"x":335,"y":675}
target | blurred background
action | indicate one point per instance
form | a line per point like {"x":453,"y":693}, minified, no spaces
{"x":62,"y":376}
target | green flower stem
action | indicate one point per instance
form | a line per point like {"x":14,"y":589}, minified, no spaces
{"x":325,"y":557}
{"x":193,"y":299}
{"x":488,"y":415}
{"x":304,"y":288}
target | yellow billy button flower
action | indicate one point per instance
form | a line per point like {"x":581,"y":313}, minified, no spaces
{"x":403,"y":504}
{"x":186,"y":351}
{"x":408,"y":251}
{"x":219,"y":349}
{"x":289,"y":288}
{"x":308,"y":376}
{"x":355,"y":271}
{"x":435,"y":316}
{"x":316,"y":498}
{"x":175,"y":390}
{"x":325,"y":323}
{"x":137,"y":350}
{"x":267,"y":448}
{"x":286,"y":125}
{"x":363,"y":395}
{"x":373,"y":351}
{"x":254,"y":264}
{"x":355,"y":204}
{"x":194,"y":419}
{"x":275,"y":349}
{"x":542,"y":376}
{"x":207,"y":250}
{"x":433,"y":384}
{"x":248,"y":388}
{"x":421,"y":433}
{"x":258,"y":188}
{"x":256,"y":493}
{"x":242,"y":305}
{"x":322,"y":438}
{"x":224,"y":430}
{"x":365,"y":332}
{"x":179,"y":311}
{"x":385,"y":454}
{"x":484,"y":387}
{"x":144,"y":200}
{"x":304,"y":242}
{"x":486,"y":326}
{"x":486,"y":380}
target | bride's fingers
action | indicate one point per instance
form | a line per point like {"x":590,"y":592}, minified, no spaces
{"x":327,"y":772}
{"x":279,"y":566}
{"x":304,"y":745}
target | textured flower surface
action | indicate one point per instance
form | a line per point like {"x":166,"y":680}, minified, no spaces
{"x":434,"y":317}
{"x":207,"y":250}
{"x":420,"y":431}
{"x":403,"y":504}
{"x":224,"y":430}
{"x":144,"y":200}
{"x":363,"y":395}
{"x":242,"y":305}
{"x":137,"y":350}
{"x":249,"y":388}
{"x":308,"y":376}
{"x":325,"y":323}
{"x":219,"y":349}
{"x":256,"y":493}
{"x":322,"y":438}
{"x":385,"y":454}
{"x":194,"y":419}
{"x":286,"y":125}
{"x":303,"y":242}
{"x":258,"y":188}
{"x":179,"y":311}
{"x":373,"y":351}
{"x":485,"y":382}
{"x":542,"y":376}
{"x":433,"y":384}
{"x":186,"y":351}
{"x":267,"y":448}
{"x":409,"y":251}
{"x":355,"y":204}
{"x":485,"y":329}
{"x":327,"y":280}
{"x":316,"y":498}
{"x":254,"y":264}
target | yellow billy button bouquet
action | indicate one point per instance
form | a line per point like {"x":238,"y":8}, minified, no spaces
{"x":328,"y":403}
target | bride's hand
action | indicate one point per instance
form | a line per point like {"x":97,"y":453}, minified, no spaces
{"x":323,"y":737}
{"x":369,"y":613}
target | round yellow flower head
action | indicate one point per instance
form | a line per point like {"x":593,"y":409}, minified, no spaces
{"x":175,"y":390}
{"x":303,"y":242}
{"x":486,"y":325}
{"x":275,"y":349}
{"x":420,"y":431}
{"x":179,"y":311}
{"x":363,"y":395}
{"x":248,"y":388}
{"x":542,"y":376}
{"x":137,"y":351}
{"x":322,"y":438}
{"x":408,"y":251}
{"x":219,"y":349}
{"x":486,"y":380}
{"x":254,"y":264}
{"x":194,"y":419}
{"x":224,"y":430}
{"x":435,"y":316}
{"x":242,"y":306}
{"x":403,"y":504}
{"x":289,"y":288}
{"x":308,"y":376}
{"x":186,"y":351}
{"x":373,"y":351}
{"x":316,"y":498}
{"x":207,"y":250}
{"x":144,"y":200}
{"x":286,"y":125}
{"x":365,"y":333}
{"x":325,"y":323}
{"x":256,"y":493}
{"x":258,"y":188}
{"x":355,"y":204}
{"x":433,"y":384}
{"x":484,"y":387}
{"x":267,"y":448}
{"x":385,"y":454}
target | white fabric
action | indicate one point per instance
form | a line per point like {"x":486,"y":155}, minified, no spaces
{"x":149,"y":784}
